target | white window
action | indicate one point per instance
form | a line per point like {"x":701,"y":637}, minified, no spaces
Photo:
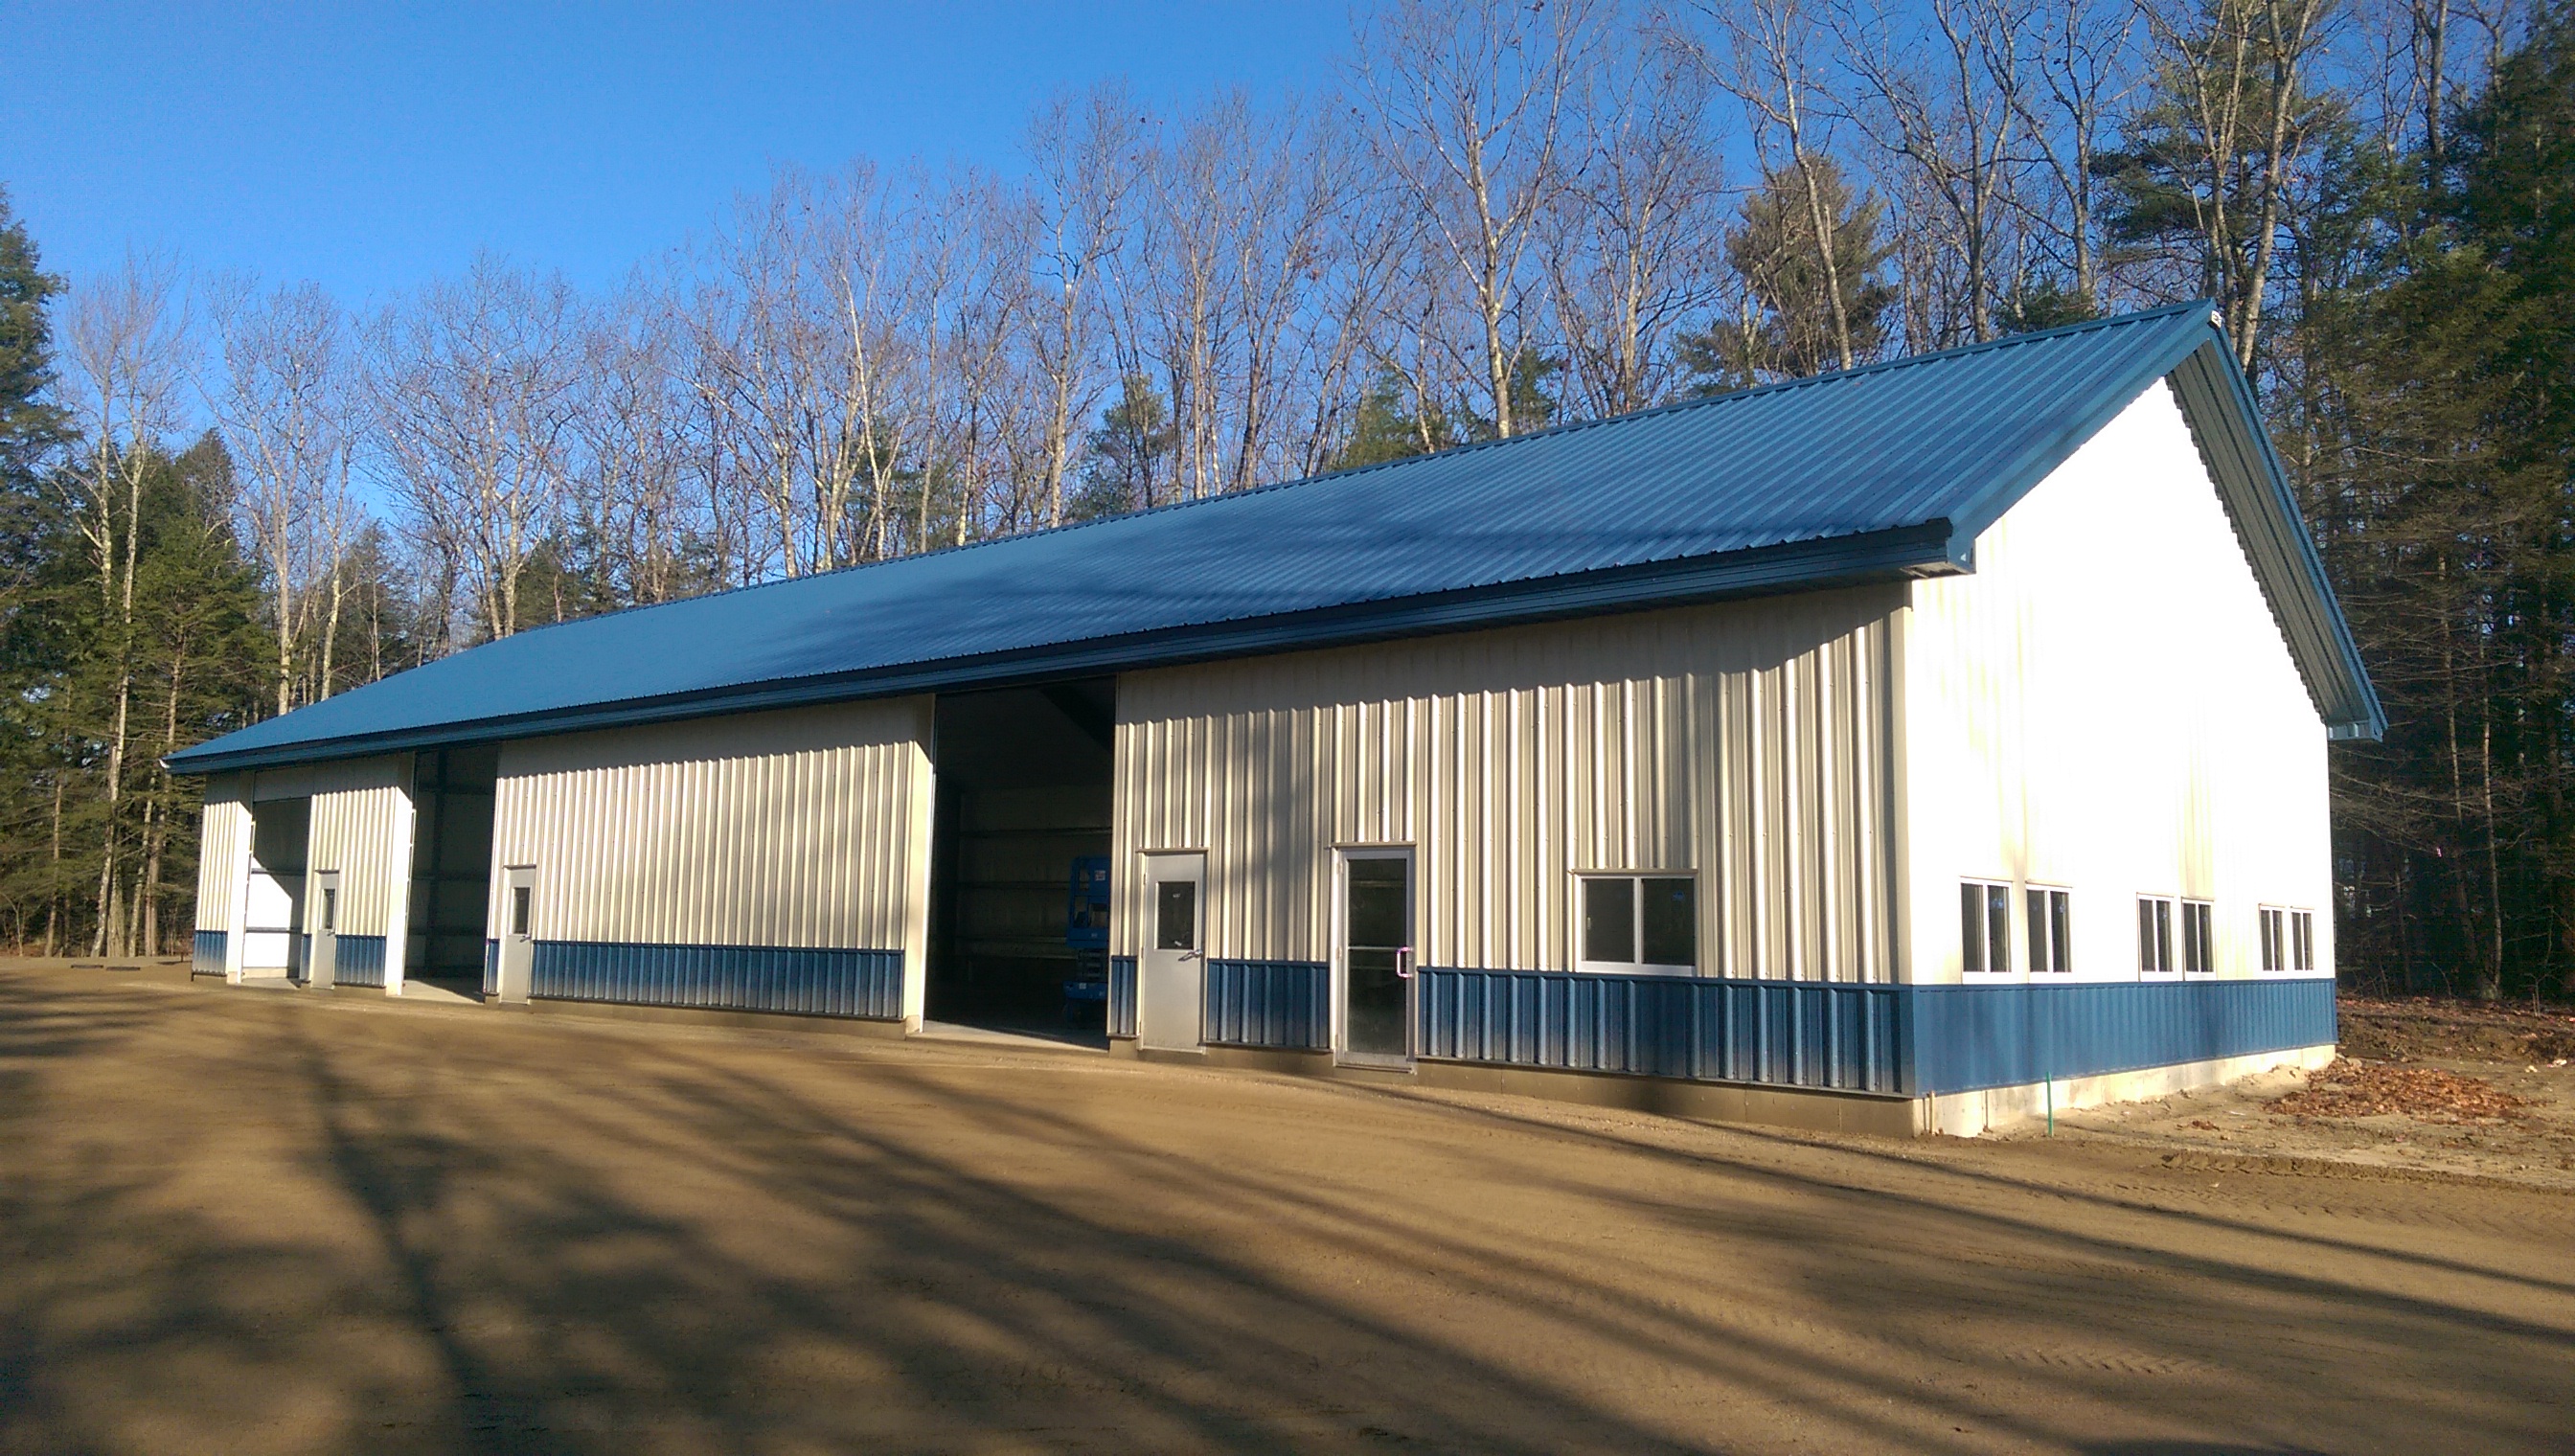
{"x":1639,"y":925}
{"x":2050,"y":925}
{"x":2154,"y":935}
{"x":2198,"y":937}
{"x":1984,"y":927}
{"x":2288,"y":940}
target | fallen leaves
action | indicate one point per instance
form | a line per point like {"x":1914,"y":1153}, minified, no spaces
{"x":2350,"y":1088}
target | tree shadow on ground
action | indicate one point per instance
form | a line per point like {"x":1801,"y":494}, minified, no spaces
{"x":465,"y":1232}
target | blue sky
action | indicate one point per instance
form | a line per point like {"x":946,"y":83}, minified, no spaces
{"x":372,"y":147}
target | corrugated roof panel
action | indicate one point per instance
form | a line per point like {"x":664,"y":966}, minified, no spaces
{"x":1942,"y":440}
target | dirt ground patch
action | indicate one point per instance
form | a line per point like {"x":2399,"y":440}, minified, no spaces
{"x":2423,"y":1087}
{"x":2414,"y":1029}
{"x":269,"y":1221}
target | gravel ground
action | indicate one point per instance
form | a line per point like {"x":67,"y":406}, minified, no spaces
{"x":244,"y":1220}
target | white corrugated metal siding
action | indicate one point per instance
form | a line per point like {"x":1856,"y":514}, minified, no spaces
{"x":2107,"y":707}
{"x":797,"y":829}
{"x":1743,"y":742}
{"x":338,"y":776}
{"x":222,"y":852}
{"x":359,"y":828}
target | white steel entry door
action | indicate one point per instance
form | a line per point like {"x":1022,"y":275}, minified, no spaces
{"x":322,"y":900}
{"x":518,"y":935}
{"x":1172,"y":974}
{"x":1377,"y":954}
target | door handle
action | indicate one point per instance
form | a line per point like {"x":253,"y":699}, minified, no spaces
{"x":1404,"y":962}
{"x":1188,"y":955}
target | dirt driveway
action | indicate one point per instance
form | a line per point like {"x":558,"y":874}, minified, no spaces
{"x":238,"y":1221}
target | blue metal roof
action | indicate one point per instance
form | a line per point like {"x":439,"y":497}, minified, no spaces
{"x":1865,"y":475}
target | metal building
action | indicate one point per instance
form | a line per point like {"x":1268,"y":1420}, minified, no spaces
{"x":1908,"y":749}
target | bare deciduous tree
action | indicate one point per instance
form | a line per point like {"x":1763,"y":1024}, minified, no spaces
{"x":1635,"y":240}
{"x":1469,"y":103}
{"x":1938,"y":91}
{"x":2081,"y":57}
{"x":1087,"y":153}
{"x":474,"y":384}
{"x":286,"y":406}
{"x":632,"y":426}
{"x":126,"y":358}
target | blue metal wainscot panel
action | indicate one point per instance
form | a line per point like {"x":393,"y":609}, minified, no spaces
{"x":491,"y":969}
{"x":795,"y":980}
{"x":208,"y":953}
{"x":1792,"y":1033}
{"x":1121,"y":995}
{"x":1902,"y":1039}
{"x":1274,"y":1003}
{"x":358,"y":960}
{"x":1965,"y":1038}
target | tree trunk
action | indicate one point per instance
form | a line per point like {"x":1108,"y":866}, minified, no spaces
{"x":1822,"y":225}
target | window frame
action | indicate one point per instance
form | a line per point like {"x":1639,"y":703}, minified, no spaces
{"x":2010,"y":961}
{"x":1585,"y":965}
{"x":2287,"y":935}
{"x":2168,"y":940}
{"x":2203,"y":946}
{"x":2060,"y":926}
{"x":1162,"y":918}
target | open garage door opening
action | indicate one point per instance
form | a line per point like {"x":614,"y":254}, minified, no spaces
{"x":273,"y":901}
{"x":451,"y":865}
{"x":1018,"y":905}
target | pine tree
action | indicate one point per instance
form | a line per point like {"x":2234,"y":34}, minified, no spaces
{"x":2432,"y":405}
{"x":1786,"y":329}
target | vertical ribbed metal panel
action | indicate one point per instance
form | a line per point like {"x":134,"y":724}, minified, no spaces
{"x":778,"y":829}
{"x":1744,"y":741}
{"x":1121,"y":995}
{"x":354,"y":831}
{"x":358,"y":960}
{"x":1274,"y":1004}
{"x":793,"y":981}
{"x":207,"y":958}
{"x":1851,"y":1038}
{"x":221,"y":844}
{"x":1969,"y":1037}
{"x":491,"y":969}
{"x":1784,"y":1034}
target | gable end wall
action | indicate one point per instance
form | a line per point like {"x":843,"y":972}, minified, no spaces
{"x":2106,"y":706}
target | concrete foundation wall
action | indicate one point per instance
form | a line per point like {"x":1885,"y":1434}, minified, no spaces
{"x":1967,"y":1114}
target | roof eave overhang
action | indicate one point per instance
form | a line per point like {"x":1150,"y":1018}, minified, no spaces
{"x":1928,"y":549}
{"x":2227,"y":424}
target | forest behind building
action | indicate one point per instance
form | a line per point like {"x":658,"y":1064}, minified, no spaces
{"x":223,"y":497}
